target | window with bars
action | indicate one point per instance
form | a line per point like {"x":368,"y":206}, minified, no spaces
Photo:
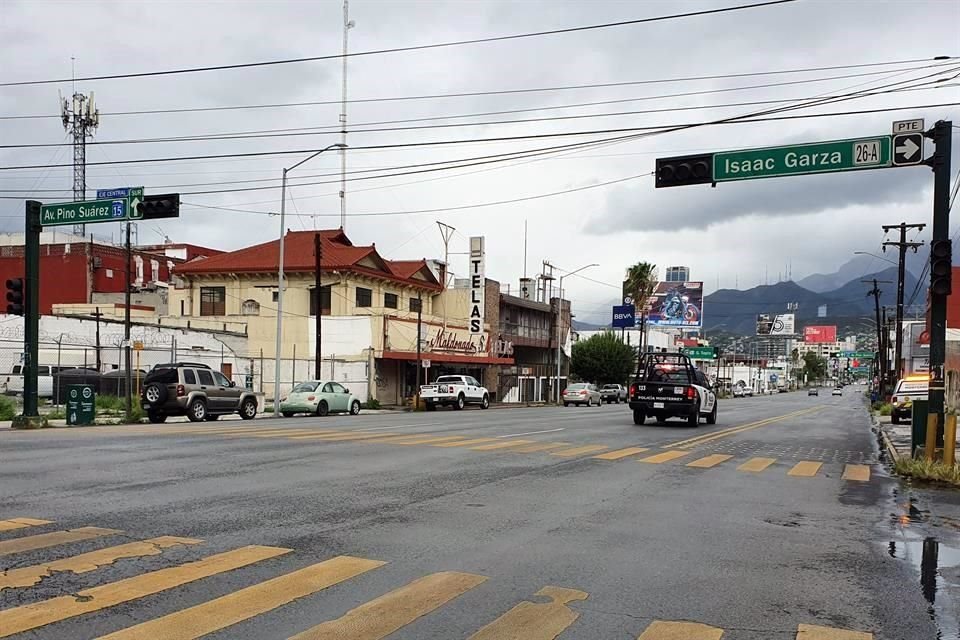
{"x":390,"y":300}
{"x":364,"y":297}
{"x":415,"y":304}
{"x":213,"y":301}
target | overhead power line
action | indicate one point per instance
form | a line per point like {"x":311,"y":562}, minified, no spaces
{"x":355,"y":54}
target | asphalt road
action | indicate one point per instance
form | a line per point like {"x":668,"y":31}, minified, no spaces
{"x":527,"y":524}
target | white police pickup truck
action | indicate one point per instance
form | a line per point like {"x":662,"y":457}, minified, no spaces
{"x":454,"y":391}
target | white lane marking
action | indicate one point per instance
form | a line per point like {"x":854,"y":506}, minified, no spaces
{"x":529,"y":433}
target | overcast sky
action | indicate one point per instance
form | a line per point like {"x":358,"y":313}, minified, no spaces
{"x":733,"y":234}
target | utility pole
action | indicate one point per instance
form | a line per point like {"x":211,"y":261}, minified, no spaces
{"x":318,"y":287}
{"x":347,"y":25}
{"x":902,"y":245}
{"x":80,"y":117}
{"x":881,"y":343}
{"x":446,"y":232}
{"x":96,"y":316}
{"x":127,"y":361}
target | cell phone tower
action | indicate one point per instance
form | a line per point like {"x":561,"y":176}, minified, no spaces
{"x":80,"y":119}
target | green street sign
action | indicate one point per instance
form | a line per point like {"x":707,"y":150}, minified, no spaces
{"x":817,"y":157}
{"x":859,"y":355}
{"x":85,"y":212}
{"x":701,"y":353}
{"x":133,"y":195}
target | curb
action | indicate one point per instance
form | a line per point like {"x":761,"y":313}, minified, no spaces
{"x":892,"y":450}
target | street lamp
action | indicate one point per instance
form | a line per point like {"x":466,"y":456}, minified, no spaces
{"x":280,"y":286}
{"x":873,"y":255}
{"x":560,"y":315}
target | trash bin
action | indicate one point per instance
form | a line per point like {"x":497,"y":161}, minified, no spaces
{"x":918,"y":425}
{"x":81,"y":403}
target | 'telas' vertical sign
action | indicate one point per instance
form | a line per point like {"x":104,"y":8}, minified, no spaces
{"x":477,"y":285}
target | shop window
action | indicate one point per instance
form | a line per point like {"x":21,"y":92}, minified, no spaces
{"x":364,"y":297}
{"x":250,"y":308}
{"x":213,"y":301}
{"x":390,"y":300}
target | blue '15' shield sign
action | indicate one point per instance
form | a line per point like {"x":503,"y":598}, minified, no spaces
{"x":623,"y":316}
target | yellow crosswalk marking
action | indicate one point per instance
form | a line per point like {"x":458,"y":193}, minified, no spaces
{"x":430,"y":440}
{"x":709,"y":461}
{"x":856,"y":472}
{"x":380,"y":437}
{"x":535,"y":621}
{"x":543,"y":446}
{"x":621,"y":453}
{"x":805,"y":469}
{"x":579,"y":451}
{"x":286,"y":432}
{"x":44,"y":540}
{"x":756,"y":465}
{"x":266,"y":433}
{"x":39,"y":614}
{"x":501,"y":445}
{"x":813,"y":632}
{"x":660,"y":630}
{"x":464,"y":443}
{"x":382,"y":616}
{"x":29,"y":576}
{"x":321,"y":435}
{"x":21,"y":523}
{"x":337,"y":437}
{"x":244,"y":604}
{"x":666,"y":456}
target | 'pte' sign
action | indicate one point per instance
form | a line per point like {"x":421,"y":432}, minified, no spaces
{"x":477,"y":284}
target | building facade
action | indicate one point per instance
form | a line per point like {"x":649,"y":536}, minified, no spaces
{"x":677,"y":274}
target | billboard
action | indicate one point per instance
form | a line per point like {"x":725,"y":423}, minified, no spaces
{"x":782,"y":324}
{"x":820,"y":333}
{"x":478,"y":285}
{"x":676,"y":304}
{"x":623,"y":316}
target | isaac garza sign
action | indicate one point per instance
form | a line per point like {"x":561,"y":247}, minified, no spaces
{"x":477,"y":285}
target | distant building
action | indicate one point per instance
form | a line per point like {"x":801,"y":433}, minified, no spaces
{"x":677,"y":274}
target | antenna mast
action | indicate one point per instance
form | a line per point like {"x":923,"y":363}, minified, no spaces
{"x":80,"y":117}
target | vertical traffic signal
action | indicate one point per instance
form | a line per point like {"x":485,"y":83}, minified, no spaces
{"x":941,"y":267}
{"x":684,"y":170}
{"x":15,"y":304}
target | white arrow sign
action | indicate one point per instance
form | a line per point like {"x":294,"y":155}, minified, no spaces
{"x":908,"y":148}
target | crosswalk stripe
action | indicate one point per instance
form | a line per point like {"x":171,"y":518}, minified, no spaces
{"x":856,"y":472}
{"x":756,"y":465}
{"x":266,"y":433}
{"x":709,"y":461}
{"x":244,"y":604}
{"x":21,"y":523}
{"x":320,"y":435}
{"x":579,"y":451}
{"x":288,"y":432}
{"x":382,"y":616}
{"x":44,"y":540}
{"x":39,"y":614}
{"x":535,"y":621}
{"x":813,"y":632}
{"x":501,"y":445}
{"x":378,"y":437}
{"x":464,"y":443}
{"x":430,"y":440}
{"x":543,"y":446}
{"x":805,"y":469}
{"x":338,"y":437}
{"x":621,"y":453}
{"x":29,"y":576}
{"x":666,"y":456}
{"x":660,"y":630}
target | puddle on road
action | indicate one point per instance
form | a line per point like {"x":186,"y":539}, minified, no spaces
{"x":936,"y":561}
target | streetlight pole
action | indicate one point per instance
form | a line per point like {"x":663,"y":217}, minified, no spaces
{"x":560,"y":315}
{"x":280,"y":284}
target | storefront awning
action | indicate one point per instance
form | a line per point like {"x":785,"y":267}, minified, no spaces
{"x":442,"y":358}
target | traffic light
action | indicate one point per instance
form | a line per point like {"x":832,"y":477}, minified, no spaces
{"x":15,"y":303}
{"x":165,"y":206}
{"x":683,"y":170}
{"x":941,"y":267}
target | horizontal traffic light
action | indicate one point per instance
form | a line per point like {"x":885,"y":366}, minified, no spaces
{"x":684,"y":170}
{"x":15,"y":303}
{"x":941,"y":267}
{"x":154,"y":207}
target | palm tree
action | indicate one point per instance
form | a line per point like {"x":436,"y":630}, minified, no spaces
{"x":640,"y":282}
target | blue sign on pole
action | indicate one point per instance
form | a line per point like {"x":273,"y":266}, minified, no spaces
{"x":109,"y":194}
{"x":624,"y":316}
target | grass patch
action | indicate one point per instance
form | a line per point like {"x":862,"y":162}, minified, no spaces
{"x":885,"y":409}
{"x":930,"y":471}
{"x":58,"y":414}
{"x":7,"y":408}
{"x":372,"y":404}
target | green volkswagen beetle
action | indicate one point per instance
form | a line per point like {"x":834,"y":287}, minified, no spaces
{"x":320,"y":398}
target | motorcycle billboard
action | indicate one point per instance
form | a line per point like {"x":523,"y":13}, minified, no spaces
{"x":782,"y":324}
{"x":676,"y":304}
{"x":820,"y":334}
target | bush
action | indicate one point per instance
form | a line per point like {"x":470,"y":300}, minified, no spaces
{"x":929,"y":470}
{"x":885,"y":409}
{"x":373,"y":404}
{"x":112,"y":404}
{"x":7,"y":408}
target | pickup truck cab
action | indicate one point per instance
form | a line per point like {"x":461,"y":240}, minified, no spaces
{"x":454,"y":391}
{"x":615,"y":393}
{"x":667,"y":385}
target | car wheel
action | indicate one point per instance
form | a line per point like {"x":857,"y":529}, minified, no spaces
{"x":461,"y":402}
{"x":639,"y":417}
{"x":589,"y":402}
{"x":248,"y":409}
{"x":155,"y":394}
{"x":712,"y":416}
{"x":211,"y":417}
{"x":323,"y":409}
{"x":156,"y":417}
{"x":355,"y":408}
{"x":566,"y":404}
{"x":197,"y":411}
{"x":485,"y":403}
{"x":287,"y":414}
{"x":693,"y":419}
{"x":430,"y":406}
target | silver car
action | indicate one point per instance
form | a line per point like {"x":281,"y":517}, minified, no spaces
{"x":581,"y":393}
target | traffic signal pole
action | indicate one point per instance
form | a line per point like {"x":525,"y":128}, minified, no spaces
{"x":31,"y":316}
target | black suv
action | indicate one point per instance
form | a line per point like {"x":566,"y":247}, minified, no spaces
{"x":193,"y":390}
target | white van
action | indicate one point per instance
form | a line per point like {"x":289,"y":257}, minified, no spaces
{"x":13,"y":385}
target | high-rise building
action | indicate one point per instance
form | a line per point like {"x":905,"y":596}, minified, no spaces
{"x":678,"y":274}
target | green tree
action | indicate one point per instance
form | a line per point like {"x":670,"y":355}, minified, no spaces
{"x":603,"y":359}
{"x":814,"y":367}
{"x":640,"y":282}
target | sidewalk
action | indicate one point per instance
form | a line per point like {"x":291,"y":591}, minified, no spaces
{"x":896,"y":437}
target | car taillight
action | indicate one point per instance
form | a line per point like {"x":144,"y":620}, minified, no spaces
{"x":691,"y":393}
{"x":181,"y":391}
{"x":584,"y":392}
{"x":894,"y":400}
{"x":633,"y":389}
{"x":311,"y":398}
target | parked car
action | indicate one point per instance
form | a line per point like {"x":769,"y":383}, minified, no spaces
{"x":455,"y":391}
{"x":581,"y":393}
{"x":193,"y":390}
{"x":319,"y":397}
{"x":13,"y":386}
{"x":813,"y":391}
{"x":748,"y":392}
{"x":738,"y":392}
{"x":908,"y":390}
{"x":613,"y":393}
{"x":668,"y":385}
{"x":837,"y":391}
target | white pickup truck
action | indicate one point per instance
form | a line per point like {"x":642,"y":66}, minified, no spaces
{"x":455,"y":391}
{"x":13,"y":384}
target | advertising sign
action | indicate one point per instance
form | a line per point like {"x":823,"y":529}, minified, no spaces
{"x":918,"y":347}
{"x":478,"y":285}
{"x":782,"y":324}
{"x":676,"y":304}
{"x":624,"y":316}
{"x":820,"y":334}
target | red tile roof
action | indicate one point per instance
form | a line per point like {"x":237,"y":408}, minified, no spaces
{"x":337,"y":253}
